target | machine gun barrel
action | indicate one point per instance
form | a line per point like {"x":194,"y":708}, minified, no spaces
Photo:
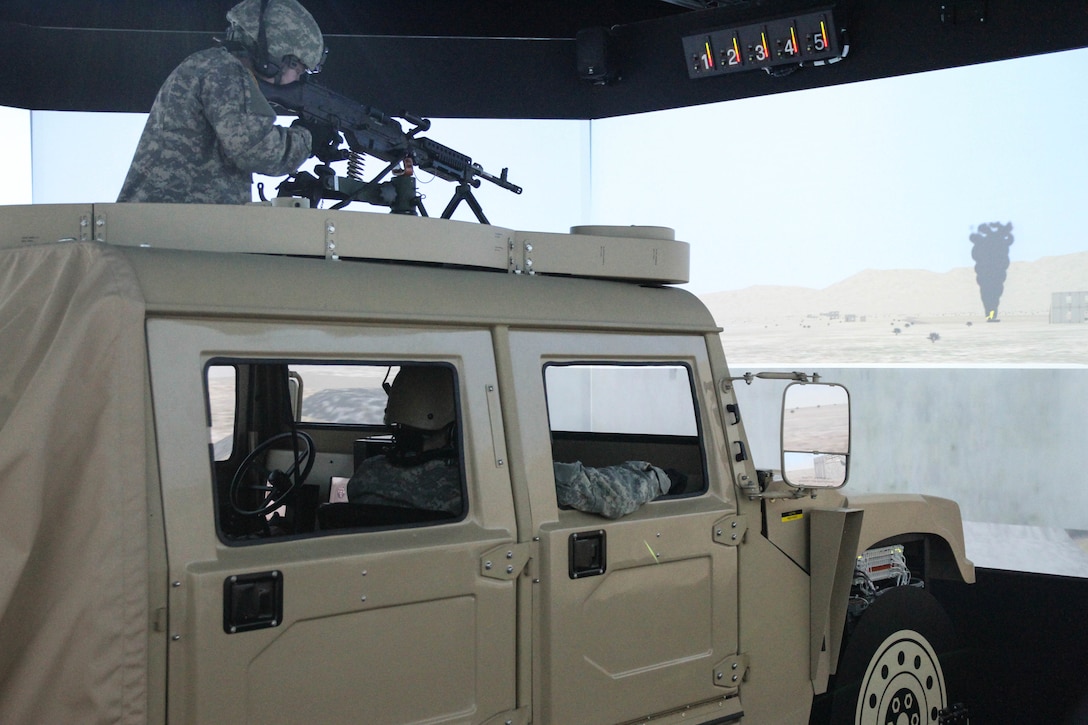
{"x":370,"y":131}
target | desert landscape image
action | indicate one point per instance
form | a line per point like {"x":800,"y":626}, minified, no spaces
{"x":909,"y":317}
{"x":918,"y":317}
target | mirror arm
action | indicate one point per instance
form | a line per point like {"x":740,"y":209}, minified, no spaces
{"x":799,"y":377}
{"x":772,"y":488}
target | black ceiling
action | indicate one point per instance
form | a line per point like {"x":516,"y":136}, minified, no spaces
{"x":482,"y":18}
{"x":507,"y":58}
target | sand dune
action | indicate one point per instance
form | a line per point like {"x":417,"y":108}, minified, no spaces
{"x":909,"y":293}
{"x":907,"y":317}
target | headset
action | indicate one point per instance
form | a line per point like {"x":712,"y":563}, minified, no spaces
{"x":263,"y":64}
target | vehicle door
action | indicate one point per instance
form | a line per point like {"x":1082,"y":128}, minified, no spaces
{"x":635,"y":615}
{"x":314,"y":609}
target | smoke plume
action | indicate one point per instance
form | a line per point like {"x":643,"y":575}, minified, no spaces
{"x":991,"y":254}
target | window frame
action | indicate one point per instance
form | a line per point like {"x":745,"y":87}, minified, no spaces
{"x":321,"y":429}
{"x":697,"y":438}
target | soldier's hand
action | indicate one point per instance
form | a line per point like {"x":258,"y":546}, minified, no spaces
{"x":324,"y":141}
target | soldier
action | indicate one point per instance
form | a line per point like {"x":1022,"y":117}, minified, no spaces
{"x":210,"y":128}
{"x":420,"y":470}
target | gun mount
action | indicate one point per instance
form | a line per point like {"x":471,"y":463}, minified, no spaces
{"x":371,"y":132}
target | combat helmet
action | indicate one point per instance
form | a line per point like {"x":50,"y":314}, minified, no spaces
{"x":275,"y":29}
{"x":421,"y":397}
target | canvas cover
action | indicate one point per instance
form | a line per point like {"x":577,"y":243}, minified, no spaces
{"x":73,"y":497}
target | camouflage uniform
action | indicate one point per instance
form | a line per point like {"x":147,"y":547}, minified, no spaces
{"x":209,"y":130}
{"x":613,"y":491}
{"x":434,"y":485}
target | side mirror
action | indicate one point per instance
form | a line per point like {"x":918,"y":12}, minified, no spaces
{"x":815,"y":435}
{"x":294,"y":387}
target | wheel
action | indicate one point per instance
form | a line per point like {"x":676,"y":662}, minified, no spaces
{"x":893,"y":668}
{"x":275,"y":485}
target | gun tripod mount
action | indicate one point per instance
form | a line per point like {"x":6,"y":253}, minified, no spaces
{"x":399,"y":193}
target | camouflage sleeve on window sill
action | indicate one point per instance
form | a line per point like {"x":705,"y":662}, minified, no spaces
{"x":431,"y":486}
{"x":613,"y":491}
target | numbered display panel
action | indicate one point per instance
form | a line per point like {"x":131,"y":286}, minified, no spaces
{"x":785,"y":41}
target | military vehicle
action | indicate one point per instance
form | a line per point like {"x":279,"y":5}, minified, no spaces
{"x":188,"y":392}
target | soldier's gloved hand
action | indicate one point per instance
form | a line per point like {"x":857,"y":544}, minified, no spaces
{"x":324,"y":140}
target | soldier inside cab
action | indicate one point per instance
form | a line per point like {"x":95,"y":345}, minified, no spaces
{"x":210,"y":128}
{"x":420,"y":470}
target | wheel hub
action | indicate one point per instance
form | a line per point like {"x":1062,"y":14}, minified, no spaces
{"x":903,"y":685}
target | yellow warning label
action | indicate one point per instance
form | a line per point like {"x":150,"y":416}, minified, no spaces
{"x":793,"y":516}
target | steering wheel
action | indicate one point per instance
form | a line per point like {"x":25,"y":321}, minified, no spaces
{"x":276,"y":484}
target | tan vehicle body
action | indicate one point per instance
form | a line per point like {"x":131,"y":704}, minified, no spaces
{"x":724,"y":606}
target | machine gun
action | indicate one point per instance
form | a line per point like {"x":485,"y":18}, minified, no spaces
{"x":371,"y":132}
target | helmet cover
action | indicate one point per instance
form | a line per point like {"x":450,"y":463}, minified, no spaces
{"x":289,"y":29}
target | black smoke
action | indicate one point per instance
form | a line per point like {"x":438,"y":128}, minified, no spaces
{"x":991,"y":254}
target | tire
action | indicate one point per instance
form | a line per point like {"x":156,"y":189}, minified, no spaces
{"x":896,"y":664}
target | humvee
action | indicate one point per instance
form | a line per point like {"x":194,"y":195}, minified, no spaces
{"x":188,"y":392}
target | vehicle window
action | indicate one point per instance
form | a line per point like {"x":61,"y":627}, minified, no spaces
{"x":623,"y":435}
{"x":221,"y":381}
{"x":305,"y":448}
{"x":343,"y":393}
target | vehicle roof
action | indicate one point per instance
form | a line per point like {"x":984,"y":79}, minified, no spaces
{"x":260,"y":286}
{"x":284,"y":263}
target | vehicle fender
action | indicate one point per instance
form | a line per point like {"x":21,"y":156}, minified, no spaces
{"x":890,"y":515}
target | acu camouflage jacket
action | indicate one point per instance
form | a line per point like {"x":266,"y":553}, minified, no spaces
{"x":209,"y":131}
